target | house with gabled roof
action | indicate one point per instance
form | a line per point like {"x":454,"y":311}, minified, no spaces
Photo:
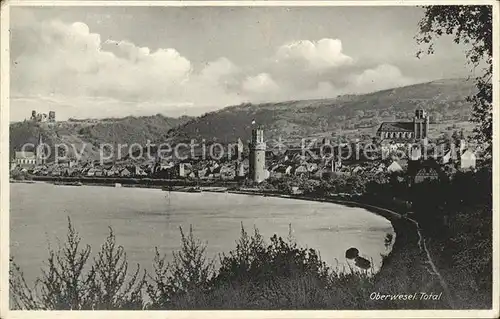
{"x":227,"y":172}
{"x":100,"y":172}
{"x":300,"y":170}
{"x":125,"y":172}
{"x":280,"y":171}
{"x":395,"y":167}
{"x":90,"y":172}
{"x":422,"y":170}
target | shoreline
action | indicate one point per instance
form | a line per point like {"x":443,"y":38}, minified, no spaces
{"x":408,"y":241}
{"x":400,"y":223}
{"x":213,"y":187}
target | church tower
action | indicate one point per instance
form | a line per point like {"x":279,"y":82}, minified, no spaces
{"x":257,"y":160}
{"x":420,"y":125}
{"x":40,"y":151}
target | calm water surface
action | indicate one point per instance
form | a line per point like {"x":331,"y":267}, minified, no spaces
{"x":145,"y":218}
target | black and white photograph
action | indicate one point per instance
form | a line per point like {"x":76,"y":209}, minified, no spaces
{"x":250,"y":156}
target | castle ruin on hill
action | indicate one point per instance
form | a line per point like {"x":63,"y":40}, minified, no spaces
{"x":43,"y":117}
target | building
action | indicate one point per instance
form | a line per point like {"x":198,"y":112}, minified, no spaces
{"x":52,"y":116}
{"x":239,"y":149}
{"x":240,"y":169}
{"x":257,"y":158}
{"x":334,"y":164}
{"x":300,"y":170}
{"x":467,"y":160}
{"x":30,"y":159}
{"x":40,"y":151}
{"x":418,"y":129}
{"x":42,"y":117}
{"x":459,"y":155}
{"x":426,"y":174}
{"x":415,"y":153}
{"x":25,"y":159}
{"x":423,"y":170}
{"x":181,"y":170}
{"x":281,"y":170}
{"x":395,"y":167}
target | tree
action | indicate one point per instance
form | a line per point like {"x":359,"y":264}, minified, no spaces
{"x":360,"y":113}
{"x":437,"y":117}
{"x":470,"y":25}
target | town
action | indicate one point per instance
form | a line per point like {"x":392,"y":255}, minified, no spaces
{"x":400,"y":148}
{"x":288,"y":157}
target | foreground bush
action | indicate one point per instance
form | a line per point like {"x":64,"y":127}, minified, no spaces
{"x":254,"y":275}
{"x":70,"y":281}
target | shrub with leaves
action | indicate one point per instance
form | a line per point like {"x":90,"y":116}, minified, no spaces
{"x":63,"y":284}
{"x":68,"y":282}
{"x":112,"y":286}
{"x":184,"y":282}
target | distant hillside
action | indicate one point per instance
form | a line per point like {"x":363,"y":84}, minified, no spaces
{"x":92,"y":133}
{"x":356,"y":115}
{"x":445,"y":100}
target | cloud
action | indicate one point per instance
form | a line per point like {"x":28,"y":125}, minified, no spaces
{"x":221,"y":69}
{"x":260,"y":85}
{"x":322,"y":54}
{"x":68,"y":68}
{"x":69,"y":60}
{"x":384,"y":76}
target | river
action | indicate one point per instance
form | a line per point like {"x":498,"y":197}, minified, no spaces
{"x":143,"y":219}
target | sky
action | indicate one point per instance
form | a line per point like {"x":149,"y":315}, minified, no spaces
{"x":95,"y":62}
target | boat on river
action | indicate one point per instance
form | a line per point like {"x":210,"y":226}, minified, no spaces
{"x":184,"y":190}
{"x":193,"y":190}
{"x":69,"y":183}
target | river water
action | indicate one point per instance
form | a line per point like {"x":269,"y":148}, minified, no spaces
{"x":143,"y":219}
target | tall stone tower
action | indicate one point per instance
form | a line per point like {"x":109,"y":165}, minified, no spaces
{"x":52,"y":116}
{"x":257,"y":159}
{"x":421,"y":125}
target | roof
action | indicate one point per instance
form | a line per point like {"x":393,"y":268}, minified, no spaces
{"x":396,"y":127}
{"x":395,"y":164}
{"x":468,"y":154}
{"x":282,"y":169}
{"x":294,"y":151}
{"x":415,"y":167}
{"x":427,"y":171}
{"x":25,"y":155}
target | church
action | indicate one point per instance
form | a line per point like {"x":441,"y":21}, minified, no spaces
{"x":27,"y":159}
{"x":417,"y":130}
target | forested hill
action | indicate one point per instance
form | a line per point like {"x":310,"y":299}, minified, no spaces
{"x":93,"y":132}
{"x":445,"y":100}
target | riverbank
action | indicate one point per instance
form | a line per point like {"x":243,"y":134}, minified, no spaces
{"x":405,"y":264}
{"x":177,"y":186}
{"x":134,"y":182}
{"x":408,"y":244}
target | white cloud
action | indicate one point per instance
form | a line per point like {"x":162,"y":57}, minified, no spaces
{"x":221,"y":69}
{"x":322,"y":54}
{"x":69,"y":69}
{"x":261,"y":84}
{"x":68,"y":60}
{"x":384,"y":76}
